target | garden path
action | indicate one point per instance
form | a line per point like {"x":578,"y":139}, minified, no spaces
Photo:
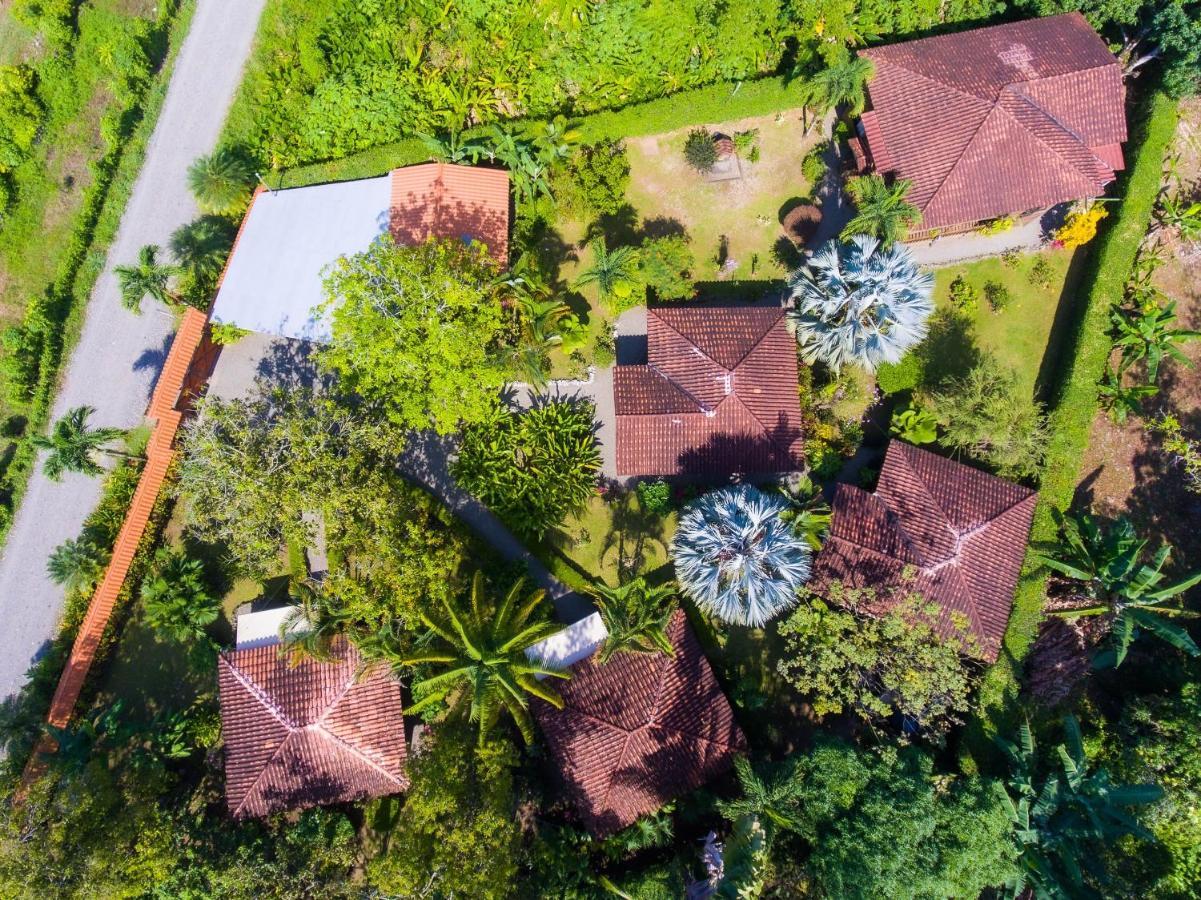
{"x":119,"y":355}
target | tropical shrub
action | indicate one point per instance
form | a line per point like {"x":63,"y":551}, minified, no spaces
{"x":224,"y":333}
{"x":914,"y":425}
{"x":905,"y":375}
{"x":21,"y":114}
{"x":595,"y":179}
{"x":412,"y":329}
{"x":176,"y":602}
{"x":737,"y":558}
{"x":636,"y":617}
{"x":532,"y":468}
{"x":808,"y":512}
{"x":1080,"y":226}
{"x":996,"y":226}
{"x":964,"y":295}
{"x":664,"y":265}
{"x":699,"y":150}
{"x":655,"y":497}
{"x":813,"y":166}
{"x":1041,"y":273}
{"x":614,"y":272}
{"x":841,"y":83}
{"x":858,"y":303}
{"x":881,"y":209}
{"x":998,"y":296}
{"x":1148,"y":335}
{"x":1184,"y":450}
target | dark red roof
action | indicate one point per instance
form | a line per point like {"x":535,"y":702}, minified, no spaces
{"x":455,"y":202}
{"x":298,"y":736}
{"x":639,"y":731}
{"x":961,"y":534}
{"x":997,"y":120}
{"x":718,"y":395}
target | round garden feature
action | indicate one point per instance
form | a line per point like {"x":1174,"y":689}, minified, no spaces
{"x":800,"y":223}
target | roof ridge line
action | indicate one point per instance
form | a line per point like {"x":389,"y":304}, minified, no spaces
{"x":351,"y":748}
{"x":691,"y":343}
{"x":625,"y":746}
{"x":975,"y":134}
{"x":701,"y":407}
{"x":261,"y":695}
{"x":936,"y":81}
{"x":1054,"y":121}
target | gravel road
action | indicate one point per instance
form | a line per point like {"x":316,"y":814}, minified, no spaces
{"x":119,"y":354}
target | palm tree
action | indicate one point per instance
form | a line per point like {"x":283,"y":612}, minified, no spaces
{"x":636,"y":617}
{"x":881,"y":209}
{"x":482,"y":651}
{"x":221,"y":181}
{"x":73,"y":445}
{"x":76,"y":564}
{"x":859,"y":303}
{"x":1107,"y":562}
{"x":149,"y":278}
{"x":308,"y":631}
{"x":772,"y":797}
{"x":614,"y":272}
{"x":1148,"y":334}
{"x":200,"y":247}
{"x":176,"y":601}
{"x":738,"y":558}
{"x":808,"y":512}
{"x":841,"y":84}
{"x":1059,"y":822}
{"x":450,"y":147}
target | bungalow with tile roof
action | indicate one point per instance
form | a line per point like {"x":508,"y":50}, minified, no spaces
{"x":935,"y":527}
{"x":308,"y":734}
{"x":716,"y":396}
{"x":638,"y":731}
{"x":1007,"y":120}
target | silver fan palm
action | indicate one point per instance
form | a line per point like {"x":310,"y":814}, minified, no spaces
{"x":860,"y":303}
{"x":737,"y":558}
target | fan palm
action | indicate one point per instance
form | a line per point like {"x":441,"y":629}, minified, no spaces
{"x":220,"y":182}
{"x":1148,"y":334}
{"x":148,"y":278}
{"x":860,"y":303}
{"x":881,"y":209}
{"x":614,"y":272}
{"x":481,"y":652}
{"x":1108,"y":563}
{"x":76,"y":564}
{"x":842,"y":84}
{"x":636,"y":617}
{"x":73,"y":444}
{"x":772,"y":797}
{"x":738,"y":558}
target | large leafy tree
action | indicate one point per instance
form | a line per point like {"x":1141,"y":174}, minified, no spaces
{"x":858,"y":303}
{"x":881,"y":209}
{"x":636,"y":616}
{"x":73,"y":444}
{"x":476,"y":659}
{"x":1108,"y":562}
{"x":415,"y":331}
{"x":738,"y":558}
{"x":221,"y":181}
{"x":532,"y":468}
{"x":1062,"y":818}
{"x":147,"y":278}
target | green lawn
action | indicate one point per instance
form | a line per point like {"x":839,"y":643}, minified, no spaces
{"x":609,"y":536}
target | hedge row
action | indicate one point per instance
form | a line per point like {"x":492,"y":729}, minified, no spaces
{"x":1074,"y":402}
{"x":715,"y":103}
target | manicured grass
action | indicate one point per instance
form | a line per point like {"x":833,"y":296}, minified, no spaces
{"x":597,"y":540}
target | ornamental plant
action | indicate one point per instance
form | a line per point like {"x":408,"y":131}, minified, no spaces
{"x":699,"y":150}
{"x":1080,"y":227}
{"x":738,"y":558}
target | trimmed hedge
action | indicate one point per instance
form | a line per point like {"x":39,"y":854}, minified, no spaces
{"x":715,"y":103}
{"x":1074,"y":403}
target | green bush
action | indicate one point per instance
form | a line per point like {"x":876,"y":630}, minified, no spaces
{"x":595,"y":180}
{"x":20,"y":115}
{"x":893,"y":378}
{"x":813,"y":166}
{"x":655,"y":497}
{"x":964,"y":295}
{"x":664,"y":266}
{"x":998,"y":296}
{"x":1041,"y":273}
{"x":699,"y":150}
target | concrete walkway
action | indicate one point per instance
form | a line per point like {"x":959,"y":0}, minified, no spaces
{"x":119,"y":355}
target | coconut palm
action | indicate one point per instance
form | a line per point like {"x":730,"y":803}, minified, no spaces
{"x":480,"y":649}
{"x":636,"y":617}
{"x":148,"y":278}
{"x":221,"y":181}
{"x":76,"y":564}
{"x":614,"y":272}
{"x":881,"y":209}
{"x":73,"y":445}
{"x":309,"y":630}
{"x":737,"y":556}
{"x":842,"y":84}
{"x":1108,"y":564}
{"x":859,"y":303}
{"x":1147,"y":333}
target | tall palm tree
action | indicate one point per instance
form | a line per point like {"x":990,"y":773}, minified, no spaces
{"x":738,"y":558}
{"x":881,"y":209}
{"x":1108,"y":563}
{"x":76,"y":564}
{"x":860,"y":303}
{"x":636,"y":617}
{"x":841,"y":84}
{"x":148,"y":278}
{"x":1149,"y":334}
{"x":221,"y":181}
{"x":614,"y":272}
{"x":73,"y":445}
{"x":308,"y":631}
{"x":480,"y":648}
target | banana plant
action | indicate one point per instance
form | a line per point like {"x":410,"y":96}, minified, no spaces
{"x":1148,"y":334}
{"x":1122,"y":401}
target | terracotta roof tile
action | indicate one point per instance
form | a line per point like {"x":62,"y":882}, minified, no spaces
{"x":309,"y":734}
{"x":451,"y":201}
{"x":640,"y":730}
{"x":962,"y":532}
{"x":997,"y":120}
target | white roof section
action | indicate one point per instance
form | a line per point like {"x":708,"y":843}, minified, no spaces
{"x":262,"y":629}
{"x":569,"y":646}
{"x":273,"y":280}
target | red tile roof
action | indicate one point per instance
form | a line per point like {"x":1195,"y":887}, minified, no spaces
{"x":997,"y":120}
{"x":640,"y":730}
{"x":718,"y":395}
{"x":960,"y":532}
{"x":451,"y":201}
{"x":298,"y":736}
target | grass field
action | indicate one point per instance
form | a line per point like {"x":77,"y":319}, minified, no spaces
{"x":611,"y":539}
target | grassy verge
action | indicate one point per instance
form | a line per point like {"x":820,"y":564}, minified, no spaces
{"x":82,"y":260}
{"x":1074,"y":399}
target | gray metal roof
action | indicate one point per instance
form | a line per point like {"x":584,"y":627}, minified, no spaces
{"x":273,"y":280}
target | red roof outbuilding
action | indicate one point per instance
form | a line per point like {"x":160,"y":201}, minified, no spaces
{"x":718,"y":395}
{"x":950,"y":533}
{"x":450,"y":201}
{"x":998,"y":120}
{"x":309,"y":734}
{"x":639,"y":731}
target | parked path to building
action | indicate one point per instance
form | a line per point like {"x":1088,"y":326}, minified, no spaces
{"x":119,"y":355}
